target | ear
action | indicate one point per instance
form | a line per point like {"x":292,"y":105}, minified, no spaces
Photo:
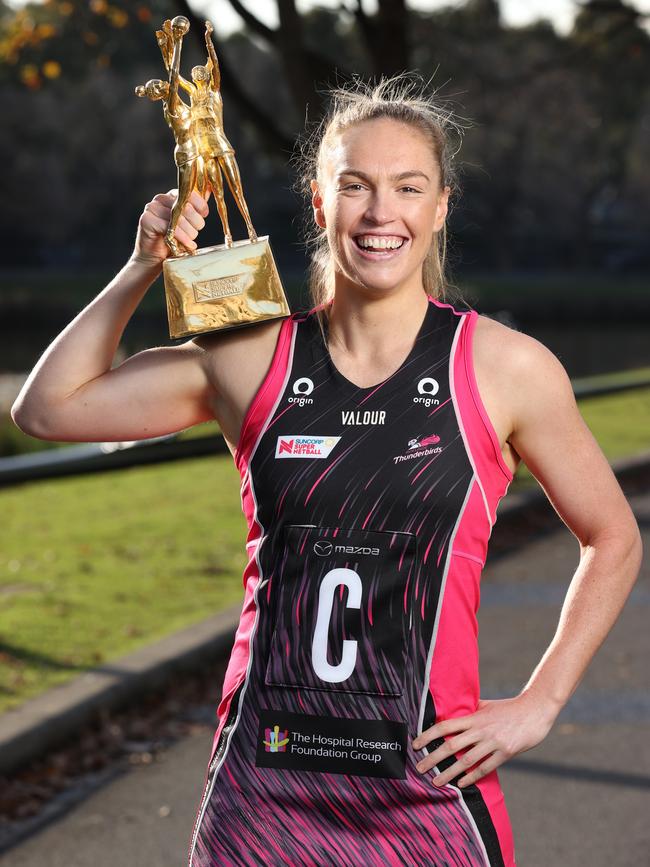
{"x":317,"y":204}
{"x":441,"y":209}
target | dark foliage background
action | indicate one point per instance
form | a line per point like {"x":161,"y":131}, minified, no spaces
{"x":554,"y":162}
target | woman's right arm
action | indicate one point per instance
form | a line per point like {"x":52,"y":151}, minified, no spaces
{"x":72,"y":394}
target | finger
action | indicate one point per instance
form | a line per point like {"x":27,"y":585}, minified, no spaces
{"x":158,"y":209}
{"x":190,"y":230}
{"x":482,"y":770}
{"x":155,"y":226}
{"x":185,"y":239}
{"x":166,"y":199}
{"x":199,"y":202}
{"x":441,"y":728}
{"x":193,"y":217}
{"x":463,"y":764}
{"x":448,"y":749}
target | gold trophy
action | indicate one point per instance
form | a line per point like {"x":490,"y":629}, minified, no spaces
{"x":234,"y":283}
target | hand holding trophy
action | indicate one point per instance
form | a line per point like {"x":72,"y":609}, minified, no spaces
{"x":231,"y":284}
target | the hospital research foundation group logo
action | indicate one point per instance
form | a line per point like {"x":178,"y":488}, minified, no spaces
{"x":331,"y":745}
{"x":275,"y":740}
{"x":297,"y":446}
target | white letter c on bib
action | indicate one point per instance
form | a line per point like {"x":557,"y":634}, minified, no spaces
{"x":334,"y":578}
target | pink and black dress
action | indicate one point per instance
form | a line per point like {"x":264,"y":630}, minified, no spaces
{"x":369,"y":513}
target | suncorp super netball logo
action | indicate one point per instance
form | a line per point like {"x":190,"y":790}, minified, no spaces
{"x":296,"y":446}
{"x":275,"y":740}
{"x":427,"y":389}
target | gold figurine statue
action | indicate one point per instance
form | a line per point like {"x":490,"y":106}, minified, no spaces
{"x":228,"y":285}
{"x":202,"y":150}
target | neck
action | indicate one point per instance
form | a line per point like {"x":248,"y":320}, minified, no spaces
{"x":363,"y":326}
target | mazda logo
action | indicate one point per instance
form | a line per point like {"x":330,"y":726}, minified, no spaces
{"x":322,"y":548}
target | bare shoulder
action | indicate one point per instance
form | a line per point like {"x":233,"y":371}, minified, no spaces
{"x":509,"y":349}
{"x":229,"y":355}
{"x":516,"y":375}
{"x":236,"y":363}
{"x":518,"y":361}
{"x":525,"y":380}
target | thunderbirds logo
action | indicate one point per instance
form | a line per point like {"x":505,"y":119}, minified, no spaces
{"x":296,"y":446}
{"x":423,"y":442}
{"x":420,"y":447}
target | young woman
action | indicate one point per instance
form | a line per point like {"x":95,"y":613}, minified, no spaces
{"x":375,"y":435}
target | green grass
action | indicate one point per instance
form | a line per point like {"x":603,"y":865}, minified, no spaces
{"x":92,"y":567}
{"x":617,"y":377}
{"x":95,"y":566}
{"x":619,"y":422}
{"x":14,"y":442}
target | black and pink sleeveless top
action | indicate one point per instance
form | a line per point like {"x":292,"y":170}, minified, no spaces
{"x":369,"y":512}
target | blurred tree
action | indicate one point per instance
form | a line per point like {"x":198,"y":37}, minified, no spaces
{"x":614,"y":66}
{"x":42,"y":42}
{"x":554,"y":157}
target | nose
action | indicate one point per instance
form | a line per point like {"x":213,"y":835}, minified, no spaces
{"x":380,"y":208}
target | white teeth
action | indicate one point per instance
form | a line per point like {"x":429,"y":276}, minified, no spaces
{"x":380,"y":243}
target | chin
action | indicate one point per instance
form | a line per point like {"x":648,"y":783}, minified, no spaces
{"x":376,"y":288}
{"x":373,"y":280}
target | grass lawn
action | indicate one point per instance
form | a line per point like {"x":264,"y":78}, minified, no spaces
{"x":620,"y":423}
{"x":92,"y":567}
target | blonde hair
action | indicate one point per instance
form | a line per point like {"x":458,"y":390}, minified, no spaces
{"x":402,"y":97}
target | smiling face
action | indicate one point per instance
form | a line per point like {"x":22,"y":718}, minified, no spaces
{"x":380,"y":201}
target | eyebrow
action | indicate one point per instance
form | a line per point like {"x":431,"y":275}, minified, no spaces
{"x":400,"y":177}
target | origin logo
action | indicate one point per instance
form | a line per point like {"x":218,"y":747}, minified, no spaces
{"x":427,"y":388}
{"x":302,"y":387}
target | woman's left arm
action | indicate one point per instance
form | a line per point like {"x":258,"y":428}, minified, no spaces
{"x":550,"y":435}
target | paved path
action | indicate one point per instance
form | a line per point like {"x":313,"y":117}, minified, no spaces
{"x":579,"y":798}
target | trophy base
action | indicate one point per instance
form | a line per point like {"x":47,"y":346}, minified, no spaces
{"x":219,"y":288}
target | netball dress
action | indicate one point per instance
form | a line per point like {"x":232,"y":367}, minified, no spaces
{"x":369,"y":513}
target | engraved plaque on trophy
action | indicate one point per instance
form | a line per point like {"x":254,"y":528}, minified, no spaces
{"x":231,"y":284}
